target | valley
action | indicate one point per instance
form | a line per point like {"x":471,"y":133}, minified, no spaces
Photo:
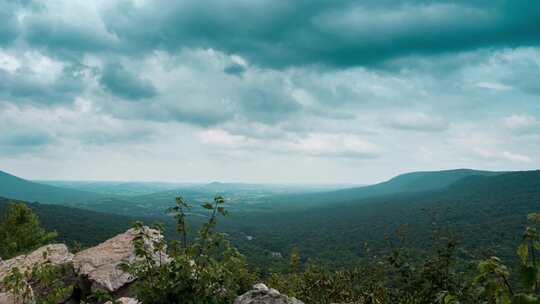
{"x":484,"y":211}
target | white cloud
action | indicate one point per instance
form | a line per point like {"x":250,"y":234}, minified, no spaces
{"x":313,"y":144}
{"x":493,"y":86}
{"x":222,"y":138}
{"x":418,"y":122}
{"x":494,"y":154}
{"x":516,"y":157}
{"x":335,"y":145}
{"x":9,"y":62}
{"x":520,"y":122}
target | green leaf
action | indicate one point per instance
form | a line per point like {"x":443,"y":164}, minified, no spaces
{"x":528,"y":274}
{"x":207,"y":206}
{"x":534,"y":217}
{"x":525,"y":299}
{"x":523,"y":252}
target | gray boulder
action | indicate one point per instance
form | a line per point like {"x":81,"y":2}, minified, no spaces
{"x":55,"y":254}
{"x":99,"y":264}
{"x":260,"y":294}
{"x":124,"y":301}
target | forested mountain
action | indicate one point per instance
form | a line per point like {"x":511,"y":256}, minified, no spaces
{"x":18,"y":188}
{"x":401,"y":184}
{"x":485,"y":213}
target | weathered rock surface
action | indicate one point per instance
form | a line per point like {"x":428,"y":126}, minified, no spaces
{"x":9,"y":298}
{"x":260,"y":294}
{"x":123,"y":301}
{"x":55,"y":254}
{"x":99,"y":264}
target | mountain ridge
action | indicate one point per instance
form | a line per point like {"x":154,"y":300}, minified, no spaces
{"x":18,"y":188}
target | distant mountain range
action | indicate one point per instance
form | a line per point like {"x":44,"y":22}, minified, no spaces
{"x":485,"y":210}
{"x":140,"y":198}
{"x":112,"y":197}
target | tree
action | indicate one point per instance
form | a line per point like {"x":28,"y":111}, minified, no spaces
{"x":21,"y":232}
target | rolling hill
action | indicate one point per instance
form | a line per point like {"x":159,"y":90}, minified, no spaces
{"x":402,"y":184}
{"x":18,"y":188}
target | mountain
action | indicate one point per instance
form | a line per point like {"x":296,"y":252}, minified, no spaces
{"x":417,"y":182}
{"x":18,"y":188}
{"x":402,"y":184}
{"x":485,"y":213}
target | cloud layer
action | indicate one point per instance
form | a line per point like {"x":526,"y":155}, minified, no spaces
{"x":315,"y":91}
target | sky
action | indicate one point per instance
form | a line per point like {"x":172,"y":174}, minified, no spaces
{"x":275,"y":91}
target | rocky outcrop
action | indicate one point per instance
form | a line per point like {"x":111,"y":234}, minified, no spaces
{"x":99,"y":264}
{"x":123,"y":301}
{"x":93,"y":268}
{"x":9,"y":298}
{"x":55,"y":254}
{"x":97,"y":268}
{"x":260,"y":294}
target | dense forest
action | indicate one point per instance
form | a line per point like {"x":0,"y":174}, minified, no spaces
{"x":483,"y":211}
{"x":209,"y":269}
{"x":424,"y":237}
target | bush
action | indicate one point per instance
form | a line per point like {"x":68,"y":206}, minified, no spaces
{"x":209,"y":270}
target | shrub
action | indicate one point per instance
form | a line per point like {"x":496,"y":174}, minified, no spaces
{"x":208,"y":270}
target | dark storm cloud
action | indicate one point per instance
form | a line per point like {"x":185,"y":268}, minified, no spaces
{"x":17,"y":142}
{"x":120,"y":82}
{"x":63,"y":38}
{"x":334,"y":33}
{"x":277,"y":34}
{"x":235,"y":70}
{"x":8,"y":30}
{"x":525,"y":75}
{"x":23,"y":86}
{"x":267,"y":105}
{"x":197,"y":117}
{"x":9,"y":24}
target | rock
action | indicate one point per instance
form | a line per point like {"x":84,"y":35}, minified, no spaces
{"x":9,"y":298}
{"x":55,"y":254}
{"x":99,"y":264}
{"x":123,"y":301}
{"x":260,"y":294}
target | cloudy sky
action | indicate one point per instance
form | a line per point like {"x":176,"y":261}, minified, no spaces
{"x":268,"y":90}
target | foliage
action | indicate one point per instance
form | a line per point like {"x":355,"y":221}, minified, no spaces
{"x":20,"y":231}
{"x":208,"y":270}
{"x":315,"y":284}
{"x":16,"y":283}
{"x":439,"y":278}
{"x":41,"y":284}
{"x":494,"y":277}
{"x":203,"y":267}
